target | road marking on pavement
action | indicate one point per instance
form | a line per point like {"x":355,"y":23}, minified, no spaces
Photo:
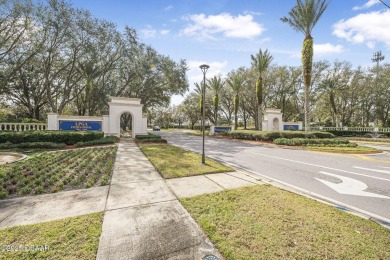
{"x":349,"y":186}
{"x":367,"y":158}
{"x":320,"y":166}
{"x":373,"y":170}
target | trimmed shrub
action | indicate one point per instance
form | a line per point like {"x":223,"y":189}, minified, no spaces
{"x":36,"y":145}
{"x":67,"y":137}
{"x":149,"y":136}
{"x":323,"y":135}
{"x":272,"y":135}
{"x":308,"y":141}
{"x":353,"y":133}
{"x":104,"y":140}
{"x":152,"y":140}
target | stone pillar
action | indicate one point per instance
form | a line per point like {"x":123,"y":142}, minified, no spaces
{"x":52,"y":121}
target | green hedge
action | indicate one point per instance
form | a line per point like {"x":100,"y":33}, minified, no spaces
{"x":354,"y":133}
{"x":67,"y":137}
{"x":307,"y":141}
{"x":272,"y":135}
{"x":104,"y":140}
{"x":152,"y":140}
{"x":148,"y":136}
{"x":36,"y":145}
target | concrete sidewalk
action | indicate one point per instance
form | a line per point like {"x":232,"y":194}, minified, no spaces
{"x":143,"y":217}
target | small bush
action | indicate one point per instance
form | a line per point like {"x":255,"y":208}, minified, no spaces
{"x":307,"y":141}
{"x":104,"y":140}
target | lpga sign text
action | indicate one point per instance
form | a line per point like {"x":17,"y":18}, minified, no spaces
{"x":80,"y":125}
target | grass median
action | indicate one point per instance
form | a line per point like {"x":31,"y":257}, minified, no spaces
{"x":346,"y":150}
{"x":265,"y":222}
{"x":172,"y":162}
{"x":70,"y":238}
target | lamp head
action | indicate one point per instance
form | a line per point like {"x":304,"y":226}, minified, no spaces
{"x":204,"y":68}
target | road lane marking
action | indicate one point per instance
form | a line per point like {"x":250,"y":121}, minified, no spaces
{"x":367,"y":158}
{"x":349,"y":186}
{"x":373,"y":170}
{"x":320,"y":166}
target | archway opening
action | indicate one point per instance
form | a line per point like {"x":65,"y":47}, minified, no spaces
{"x":275,"y":124}
{"x":126,"y":124}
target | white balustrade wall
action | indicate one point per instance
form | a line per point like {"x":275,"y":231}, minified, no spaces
{"x":20,"y":127}
{"x":346,"y":128}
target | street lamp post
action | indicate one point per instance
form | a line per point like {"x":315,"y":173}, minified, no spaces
{"x":204,"y":69}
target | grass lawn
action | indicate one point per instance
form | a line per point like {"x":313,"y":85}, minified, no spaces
{"x":264,"y":222}
{"x":70,"y":238}
{"x":347,"y":150}
{"x":171,"y":161}
{"x":56,"y":171}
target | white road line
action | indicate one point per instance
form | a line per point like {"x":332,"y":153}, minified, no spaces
{"x":320,"y":166}
{"x":373,"y":170}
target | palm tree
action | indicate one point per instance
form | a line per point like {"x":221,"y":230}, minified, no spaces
{"x":216,"y":85}
{"x":198,"y":90}
{"x":303,"y":17}
{"x":329,"y":86}
{"x":235,"y":82}
{"x":260,"y":62}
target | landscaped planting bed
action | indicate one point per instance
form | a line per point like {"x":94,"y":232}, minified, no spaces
{"x":270,"y":136}
{"x":313,"y":142}
{"x":51,"y":172}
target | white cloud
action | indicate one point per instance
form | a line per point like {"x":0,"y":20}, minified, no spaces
{"x":195,"y":74}
{"x":367,"y":28}
{"x":327,"y":48}
{"x":206,"y":27}
{"x":148,"y":32}
{"x":169,"y":7}
{"x":366,"y":5}
{"x":164,"y":32}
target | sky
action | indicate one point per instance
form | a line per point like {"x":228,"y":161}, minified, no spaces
{"x":224,"y":33}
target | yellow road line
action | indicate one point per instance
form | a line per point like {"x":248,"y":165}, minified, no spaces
{"x":363,"y":157}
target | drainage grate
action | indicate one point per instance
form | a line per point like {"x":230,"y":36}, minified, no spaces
{"x":210,"y":257}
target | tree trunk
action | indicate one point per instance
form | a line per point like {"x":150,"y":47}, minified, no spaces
{"x":307,"y":63}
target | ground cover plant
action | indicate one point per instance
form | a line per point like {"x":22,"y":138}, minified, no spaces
{"x":56,"y":171}
{"x":171,"y":161}
{"x":265,"y":222}
{"x":69,"y":238}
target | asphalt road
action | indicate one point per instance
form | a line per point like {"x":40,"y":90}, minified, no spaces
{"x":358,"y":182}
